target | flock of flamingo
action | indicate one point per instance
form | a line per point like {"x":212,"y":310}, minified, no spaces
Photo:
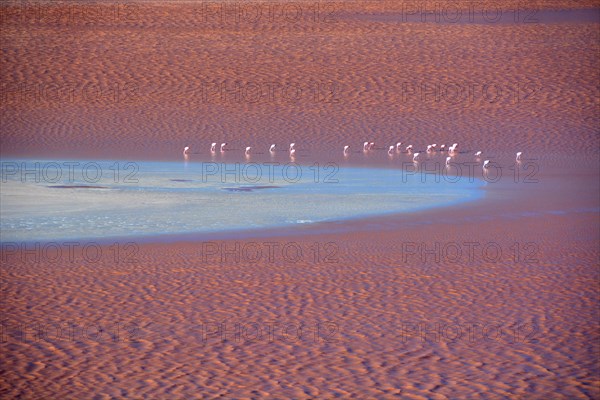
{"x":367,"y":147}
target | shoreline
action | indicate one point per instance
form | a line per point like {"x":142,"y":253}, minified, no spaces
{"x":517,"y":188}
{"x":495,"y":194}
{"x":476,"y":193}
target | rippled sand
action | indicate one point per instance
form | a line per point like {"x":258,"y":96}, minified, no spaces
{"x":379,"y":318}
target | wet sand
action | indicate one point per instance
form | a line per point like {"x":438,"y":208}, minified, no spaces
{"x":497,"y":298}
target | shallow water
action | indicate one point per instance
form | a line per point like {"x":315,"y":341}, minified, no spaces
{"x":59,"y":199}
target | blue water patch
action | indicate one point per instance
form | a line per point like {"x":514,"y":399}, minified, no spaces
{"x":64,"y":199}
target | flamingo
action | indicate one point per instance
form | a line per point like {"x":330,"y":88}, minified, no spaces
{"x":478,"y":154}
{"x":213,"y":147}
{"x":292,"y":153}
{"x":248,"y":150}
{"x":272,"y":148}
{"x":292,"y":145}
{"x":185,"y":150}
{"x":365,"y":146}
{"x":448,"y":159}
{"x":485,"y":164}
{"x":409,"y":148}
{"x":398,"y":146}
{"x":443,"y":147}
{"x":391,"y":150}
{"x":430,"y":148}
{"x":346,"y":149}
{"x":223,"y":147}
{"x":519,"y":156}
{"x":415,"y":157}
{"x":371,"y":145}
